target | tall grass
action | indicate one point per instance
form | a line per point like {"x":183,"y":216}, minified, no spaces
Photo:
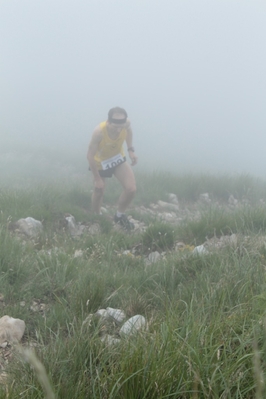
{"x":205,"y":313}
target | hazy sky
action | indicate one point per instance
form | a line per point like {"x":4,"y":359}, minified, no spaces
{"x":191,"y":75}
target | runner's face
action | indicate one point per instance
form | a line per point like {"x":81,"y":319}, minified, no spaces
{"x":117,"y":127}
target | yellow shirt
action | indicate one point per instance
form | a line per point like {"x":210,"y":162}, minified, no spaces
{"x":108,"y":147}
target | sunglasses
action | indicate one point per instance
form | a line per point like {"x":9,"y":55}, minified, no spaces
{"x":118,"y":121}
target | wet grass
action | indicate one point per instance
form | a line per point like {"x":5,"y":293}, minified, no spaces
{"x":206,"y":313}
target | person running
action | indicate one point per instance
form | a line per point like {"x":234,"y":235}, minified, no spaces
{"x":106,"y":158}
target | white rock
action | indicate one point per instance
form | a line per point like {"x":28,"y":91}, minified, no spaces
{"x":11,"y":329}
{"x":109,"y":340}
{"x":35,"y":306}
{"x":102,"y":313}
{"x":205,"y":198}
{"x":233,"y":239}
{"x":167,"y":217}
{"x":232,"y":200}
{"x":200,"y":250}
{"x":179,"y":245}
{"x":78,"y":253}
{"x":168,"y":205}
{"x":154,"y":257}
{"x":116,"y":314}
{"x":71,"y":222}
{"x":133,"y":325}
{"x":173,"y":198}
{"x":94,"y":229}
{"x":29,"y":226}
{"x":74,"y":229}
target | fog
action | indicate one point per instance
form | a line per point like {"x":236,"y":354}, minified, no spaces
{"x":190,"y":73}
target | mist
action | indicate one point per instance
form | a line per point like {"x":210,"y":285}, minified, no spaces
{"x":191,"y":75}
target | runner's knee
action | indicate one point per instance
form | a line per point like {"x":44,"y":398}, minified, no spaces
{"x":99,"y":192}
{"x":131,"y":190}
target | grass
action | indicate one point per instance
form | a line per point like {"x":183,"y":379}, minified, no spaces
{"x":206,"y":313}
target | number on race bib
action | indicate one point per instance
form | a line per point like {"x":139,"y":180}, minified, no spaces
{"x":112,"y":162}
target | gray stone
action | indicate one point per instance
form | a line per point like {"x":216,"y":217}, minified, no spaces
{"x":205,"y":198}
{"x":154,"y":257}
{"x":168,"y":205}
{"x":200,"y":250}
{"x":94,"y":229}
{"x":11,"y":329}
{"x":173,"y":198}
{"x":133,"y":325}
{"x":78,"y":253}
{"x":117,"y":314}
{"x":109,"y":340}
{"x":102,"y":313}
{"x":74,"y":228}
{"x":232,"y":200}
{"x":29,"y":226}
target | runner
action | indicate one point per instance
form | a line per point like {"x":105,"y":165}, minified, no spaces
{"x":106,"y":158}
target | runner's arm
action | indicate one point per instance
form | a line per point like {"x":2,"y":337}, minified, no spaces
{"x":129,"y":141}
{"x":93,"y":147}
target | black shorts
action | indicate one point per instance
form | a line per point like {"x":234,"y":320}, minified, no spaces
{"x":109,"y":172}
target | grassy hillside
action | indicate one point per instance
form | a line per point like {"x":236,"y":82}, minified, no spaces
{"x":205,"y":312}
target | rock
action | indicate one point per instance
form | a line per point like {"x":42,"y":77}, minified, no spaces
{"x":154,"y":207}
{"x":200,"y":250}
{"x":110,"y":313}
{"x":223,"y":241}
{"x":173,"y":198}
{"x":74,"y":228}
{"x":133,"y":325}
{"x":35,"y":306}
{"x":154,"y":257}
{"x":205,"y":198}
{"x":179,"y":245}
{"x":139,"y":227}
{"x":102,"y":313}
{"x":117,"y":314}
{"x":233,"y":240}
{"x":94,"y":229}
{"x":232,"y":200}
{"x":78,"y":253}
{"x":109,"y":340}
{"x":168,"y":205}
{"x":71,"y":221}
{"x":167,"y":217}
{"x":11,"y":329}
{"x":29,"y":227}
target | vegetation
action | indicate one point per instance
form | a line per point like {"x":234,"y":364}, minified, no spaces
{"x":206,"y":335}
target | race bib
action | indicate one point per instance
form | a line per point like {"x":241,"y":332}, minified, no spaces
{"x":112,"y":162}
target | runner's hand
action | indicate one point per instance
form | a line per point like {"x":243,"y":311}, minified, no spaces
{"x":133,"y":157}
{"x":99,"y":183}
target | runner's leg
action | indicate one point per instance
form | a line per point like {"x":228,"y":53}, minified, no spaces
{"x":125,"y":176}
{"x":97,"y":199}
